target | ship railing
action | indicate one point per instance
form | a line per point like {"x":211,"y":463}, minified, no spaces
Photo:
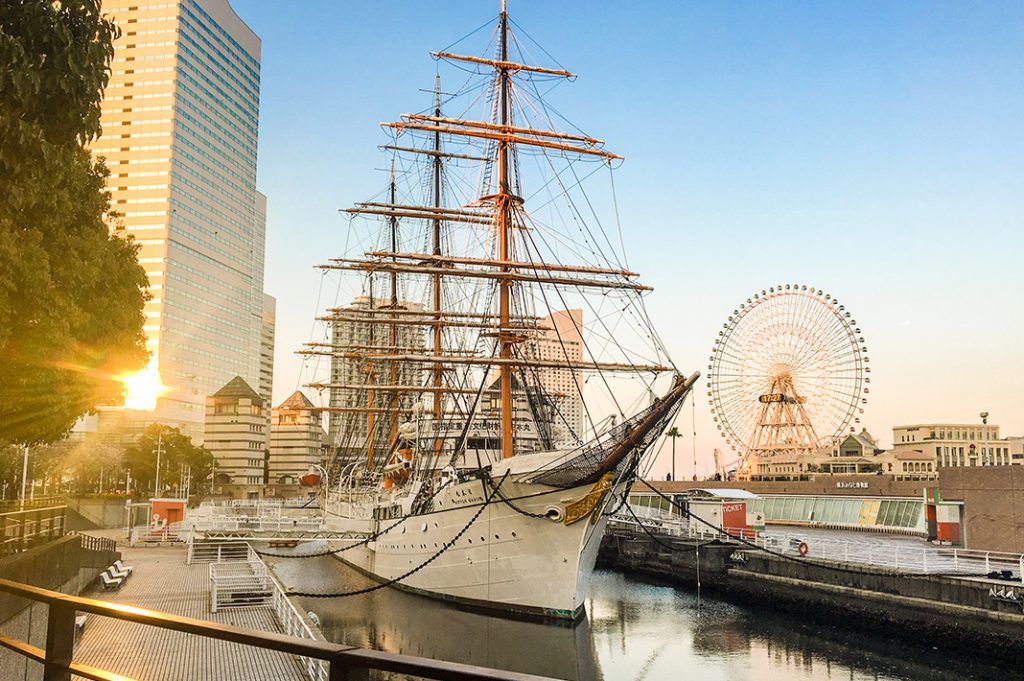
{"x":343,"y":663}
{"x":234,"y":523}
{"x":899,"y":556}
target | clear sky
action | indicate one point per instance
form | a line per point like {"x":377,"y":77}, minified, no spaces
{"x":872,"y":149}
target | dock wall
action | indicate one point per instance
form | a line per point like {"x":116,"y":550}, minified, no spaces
{"x":930,"y":610}
{"x":61,"y":565}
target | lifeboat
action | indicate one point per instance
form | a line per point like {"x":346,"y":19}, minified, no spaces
{"x":396,"y":472}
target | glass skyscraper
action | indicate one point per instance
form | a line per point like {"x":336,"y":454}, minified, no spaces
{"x":180,"y":125}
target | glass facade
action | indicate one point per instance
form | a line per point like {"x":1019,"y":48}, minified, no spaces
{"x":846,"y":511}
{"x":180,"y":129}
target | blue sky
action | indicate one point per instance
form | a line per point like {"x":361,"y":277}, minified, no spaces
{"x":872,"y":149}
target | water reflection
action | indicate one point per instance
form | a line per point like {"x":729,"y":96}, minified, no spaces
{"x":634,"y":631}
{"x":398,"y":622}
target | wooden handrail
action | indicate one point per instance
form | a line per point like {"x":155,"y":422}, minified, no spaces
{"x":346,"y":662}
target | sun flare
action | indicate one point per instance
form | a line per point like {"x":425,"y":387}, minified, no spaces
{"x":143,"y":388}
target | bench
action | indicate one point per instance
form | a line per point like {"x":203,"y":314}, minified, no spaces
{"x":115,"y":576}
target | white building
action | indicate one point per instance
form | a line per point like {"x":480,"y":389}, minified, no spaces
{"x":358,"y":328}
{"x":562,"y":342}
{"x":235,"y":433}
{"x":296,"y":442}
{"x":955,"y":444}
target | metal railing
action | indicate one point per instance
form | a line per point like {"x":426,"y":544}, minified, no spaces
{"x":343,"y":663}
{"x":294,"y":624}
{"x":892,"y":555}
{"x":49,"y":501}
{"x":898,"y":556}
{"x":91,"y":543}
{"x":146,"y":534}
{"x":200,"y":551}
{"x":240,"y":584}
{"x":22,"y":530}
{"x":256,"y":524}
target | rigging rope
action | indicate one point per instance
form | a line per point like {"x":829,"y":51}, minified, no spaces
{"x":428,"y":561}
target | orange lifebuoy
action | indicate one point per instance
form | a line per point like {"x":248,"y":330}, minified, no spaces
{"x":802,"y":549}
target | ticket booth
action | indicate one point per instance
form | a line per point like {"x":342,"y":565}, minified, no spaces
{"x":736,"y":511}
{"x":943,"y":518}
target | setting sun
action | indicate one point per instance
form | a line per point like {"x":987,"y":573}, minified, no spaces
{"x":143,"y":388}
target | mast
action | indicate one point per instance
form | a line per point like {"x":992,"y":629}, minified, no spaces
{"x":371,"y":411}
{"x":498,"y":212}
{"x":438,"y":370}
{"x":393,"y":338}
{"x":503,"y":205}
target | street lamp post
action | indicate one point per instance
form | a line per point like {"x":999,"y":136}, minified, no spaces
{"x":673,"y":433}
{"x":24,"y":478}
{"x":159,"y":451}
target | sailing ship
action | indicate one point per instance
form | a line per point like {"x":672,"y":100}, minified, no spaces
{"x":490,"y":403}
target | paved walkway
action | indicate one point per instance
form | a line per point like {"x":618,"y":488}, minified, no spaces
{"x":162,"y":581}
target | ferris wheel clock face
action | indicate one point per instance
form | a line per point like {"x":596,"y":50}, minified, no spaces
{"x":787,"y":372}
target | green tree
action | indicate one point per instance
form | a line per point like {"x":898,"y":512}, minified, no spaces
{"x":176,"y":450}
{"x":71,"y":294}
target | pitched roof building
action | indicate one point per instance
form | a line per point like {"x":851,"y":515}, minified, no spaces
{"x":235,"y":433}
{"x":296,"y":442}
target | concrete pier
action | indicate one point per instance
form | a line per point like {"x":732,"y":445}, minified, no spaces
{"x":162,"y":581}
{"x":944,"y":611}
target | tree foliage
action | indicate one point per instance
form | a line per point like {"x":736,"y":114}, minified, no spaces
{"x":71,"y":295}
{"x":176,"y":450}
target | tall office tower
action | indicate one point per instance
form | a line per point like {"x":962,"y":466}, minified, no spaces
{"x":268,"y":324}
{"x":562,"y":341}
{"x":180,"y":119}
{"x":348,"y":430}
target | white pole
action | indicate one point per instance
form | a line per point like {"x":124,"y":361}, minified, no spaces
{"x":24,"y":478}
{"x":159,"y":450}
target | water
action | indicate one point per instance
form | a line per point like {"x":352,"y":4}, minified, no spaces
{"x":633,"y":631}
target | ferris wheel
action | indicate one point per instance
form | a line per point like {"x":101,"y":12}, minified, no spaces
{"x":787,"y":373}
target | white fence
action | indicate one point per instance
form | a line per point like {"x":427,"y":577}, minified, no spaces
{"x":897,"y":554}
{"x":240,"y":579}
{"x":256,"y":524}
{"x":294,"y":624}
{"x":200,"y":551}
{"x":147,"y":534}
{"x":242,"y":584}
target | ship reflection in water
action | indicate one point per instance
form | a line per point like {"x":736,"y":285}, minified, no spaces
{"x":633,"y":631}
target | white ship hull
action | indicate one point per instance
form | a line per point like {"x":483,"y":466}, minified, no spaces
{"x":505,"y":560}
